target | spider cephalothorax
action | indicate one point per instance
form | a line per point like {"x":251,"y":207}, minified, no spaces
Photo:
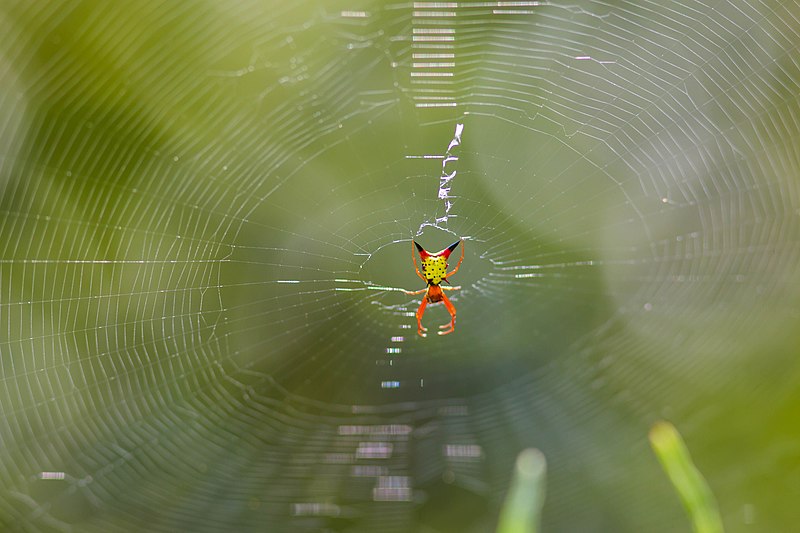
{"x":434,"y":272}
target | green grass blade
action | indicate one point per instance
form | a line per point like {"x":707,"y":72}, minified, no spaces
{"x":687,"y":480}
{"x":523,"y":506}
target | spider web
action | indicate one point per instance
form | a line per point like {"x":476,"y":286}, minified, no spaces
{"x":206,"y":214}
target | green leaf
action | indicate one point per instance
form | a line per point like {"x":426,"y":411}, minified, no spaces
{"x":687,"y":480}
{"x":523,"y":506}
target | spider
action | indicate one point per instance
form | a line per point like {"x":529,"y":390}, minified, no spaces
{"x":434,"y":267}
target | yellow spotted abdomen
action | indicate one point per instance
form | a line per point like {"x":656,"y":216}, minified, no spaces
{"x":434,"y":269}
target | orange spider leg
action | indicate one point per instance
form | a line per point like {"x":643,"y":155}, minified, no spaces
{"x":448,"y":328}
{"x":420,"y":312}
{"x":414,"y":293}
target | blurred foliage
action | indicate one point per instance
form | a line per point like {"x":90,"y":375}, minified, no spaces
{"x":687,"y":480}
{"x":522,"y":509}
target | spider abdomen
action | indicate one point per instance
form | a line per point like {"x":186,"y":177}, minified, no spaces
{"x":435,"y":269}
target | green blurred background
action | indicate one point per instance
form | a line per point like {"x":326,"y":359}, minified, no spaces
{"x":205,"y":220}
